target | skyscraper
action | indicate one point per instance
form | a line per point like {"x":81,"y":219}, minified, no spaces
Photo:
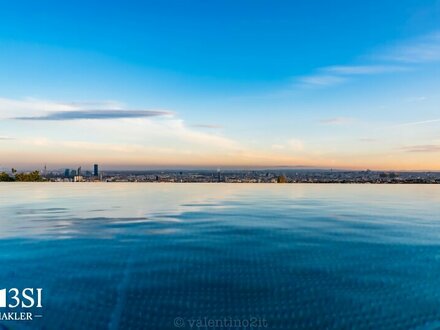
{"x":95,"y":170}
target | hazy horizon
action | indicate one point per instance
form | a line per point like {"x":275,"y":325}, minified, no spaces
{"x":89,"y":167}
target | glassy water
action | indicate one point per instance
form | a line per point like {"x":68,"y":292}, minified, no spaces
{"x":223,"y":256}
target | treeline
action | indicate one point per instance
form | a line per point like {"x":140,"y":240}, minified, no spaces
{"x":24,"y":177}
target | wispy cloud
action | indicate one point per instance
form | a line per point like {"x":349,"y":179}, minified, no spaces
{"x":423,"y":148}
{"x":278,"y":147}
{"x":337,"y":74}
{"x":420,"y":50}
{"x":295,"y":144}
{"x":31,"y":107}
{"x":320,"y":80}
{"x":31,"y":103}
{"x":336,"y":121}
{"x":98,"y":121}
{"x":398,"y":58}
{"x":97,"y":114}
{"x":209,"y":126}
{"x":366,"y":139}
{"x":364,"y":69}
{"x":421,"y":122}
{"x":416,"y":99}
{"x":115,"y":105}
{"x":289,"y":145}
{"x":142,"y":135}
{"x":5,"y":138}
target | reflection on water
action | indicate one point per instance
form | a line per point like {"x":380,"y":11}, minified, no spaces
{"x":137,"y":256}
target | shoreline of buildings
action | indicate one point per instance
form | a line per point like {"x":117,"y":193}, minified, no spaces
{"x":236,"y":176}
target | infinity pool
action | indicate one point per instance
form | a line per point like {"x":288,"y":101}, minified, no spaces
{"x":223,"y":256}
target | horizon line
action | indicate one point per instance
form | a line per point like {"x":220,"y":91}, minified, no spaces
{"x":215,"y":168}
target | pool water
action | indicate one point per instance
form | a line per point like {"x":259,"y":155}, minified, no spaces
{"x":223,"y":256}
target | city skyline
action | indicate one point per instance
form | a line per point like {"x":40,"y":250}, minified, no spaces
{"x":230,"y":84}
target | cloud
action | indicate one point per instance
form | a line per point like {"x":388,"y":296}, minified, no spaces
{"x":295,"y":144}
{"x":143,"y":136}
{"x":337,"y":74}
{"x":422,"y":148}
{"x":292,"y":144}
{"x":416,"y":99}
{"x":5,"y":138}
{"x":97,"y":114}
{"x":95,"y":104}
{"x":44,"y":110}
{"x":367,"y":139}
{"x":336,"y":121}
{"x":422,"y":122}
{"x":364,"y":69}
{"x":177,"y":128}
{"x":136,"y":128}
{"x":31,"y":107}
{"x":421,"y":50}
{"x":320,"y":80}
{"x":278,"y":147}
{"x":31,"y":103}
{"x":210,"y":126}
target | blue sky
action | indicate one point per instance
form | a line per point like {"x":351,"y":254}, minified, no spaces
{"x":220,"y":83}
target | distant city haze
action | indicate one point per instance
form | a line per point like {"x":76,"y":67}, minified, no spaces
{"x":230,"y":84}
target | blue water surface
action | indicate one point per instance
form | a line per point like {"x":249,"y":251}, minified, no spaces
{"x":271,"y":256}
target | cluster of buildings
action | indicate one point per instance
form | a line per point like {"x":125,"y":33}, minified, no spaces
{"x":75,"y":175}
{"x":244,"y":176}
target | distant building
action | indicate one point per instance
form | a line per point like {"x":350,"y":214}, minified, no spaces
{"x":66,"y":173}
{"x":95,"y":170}
{"x":72,"y":173}
{"x":79,"y":171}
{"x":78,"y":178}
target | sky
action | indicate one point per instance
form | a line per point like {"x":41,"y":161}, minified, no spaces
{"x":220,"y":84}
